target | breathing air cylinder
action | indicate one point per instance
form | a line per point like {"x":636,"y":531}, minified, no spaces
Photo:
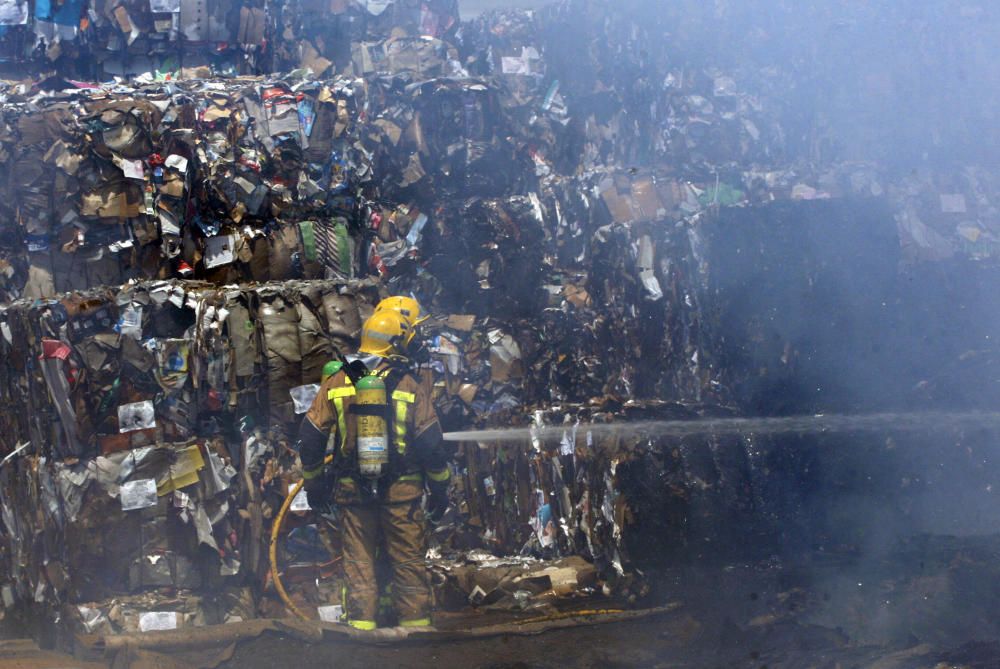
{"x":373,"y":433}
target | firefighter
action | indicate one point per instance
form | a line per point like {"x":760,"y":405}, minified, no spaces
{"x":407,"y":307}
{"x":387,"y":449}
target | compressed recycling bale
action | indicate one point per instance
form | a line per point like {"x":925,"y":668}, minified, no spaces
{"x":343,"y":316}
{"x":280,"y":321}
{"x":314,"y":345}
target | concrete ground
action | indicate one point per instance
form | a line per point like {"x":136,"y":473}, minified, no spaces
{"x":25,"y":654}
{"x":931,"y":603}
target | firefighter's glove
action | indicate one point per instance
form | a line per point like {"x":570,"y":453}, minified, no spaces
{"x":319,"y":493}
{"x":437,"y":504}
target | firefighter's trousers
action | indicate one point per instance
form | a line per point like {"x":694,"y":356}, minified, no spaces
{"x":398,"y":519}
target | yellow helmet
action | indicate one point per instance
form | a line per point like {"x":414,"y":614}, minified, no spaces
{"x":387,"y":333}
{"x":407,"y":307}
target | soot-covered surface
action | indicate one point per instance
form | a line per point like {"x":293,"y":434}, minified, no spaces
{"x":810,"y":310}
{"x":817,"y":313}
{"x":928,"y":604}
{"x":831,"y":549}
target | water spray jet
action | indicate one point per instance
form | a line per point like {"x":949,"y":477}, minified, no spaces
{"x":931,"y":421}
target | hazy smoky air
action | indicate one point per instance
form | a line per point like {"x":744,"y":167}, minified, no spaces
{"x":879,"y":299}
{"x":720,"y":275}
{"x":883,"y":300}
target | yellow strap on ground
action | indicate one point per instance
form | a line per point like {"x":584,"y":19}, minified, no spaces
{"x":569,"y":614}
{"x":417,"y":622}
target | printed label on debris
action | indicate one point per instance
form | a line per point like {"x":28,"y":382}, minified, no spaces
{"x":515,"y":65}
{"x":152,"y":621}
{"x":136,"y":416}
{"x":301,"y":502}
{"x":131,"y":321}
{"x":543,"y":526}
{"x":139,"y":494}
{"x":330,"y":614}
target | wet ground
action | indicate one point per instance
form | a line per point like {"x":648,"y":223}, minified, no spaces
{"x":25,"y":654}
{"x":929,"y":602}
{"x":675,"y":642}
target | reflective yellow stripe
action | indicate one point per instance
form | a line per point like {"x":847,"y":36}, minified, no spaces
{"x":400,"y":426}
{"x":411,"y":477}
{"x":309,"y":474}
{"x":341,"y":423}
{"x":364,"y":625}
{"x":403,"y":396}
{"x":439,"y":476}
{"x":417,"y":622}
{"x":337,"y":395}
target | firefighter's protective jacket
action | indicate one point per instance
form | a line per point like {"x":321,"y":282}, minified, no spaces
{"x":414,"y":432}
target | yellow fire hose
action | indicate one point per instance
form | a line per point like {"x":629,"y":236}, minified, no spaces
{"x":569,"y":614}
{"x":279,"y":520}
